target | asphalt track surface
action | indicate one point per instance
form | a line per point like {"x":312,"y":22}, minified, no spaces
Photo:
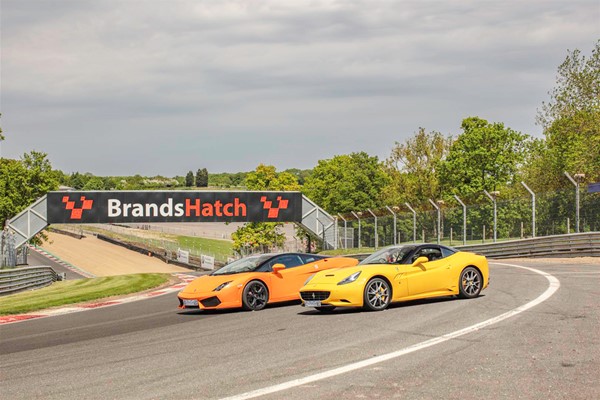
{"x":35,"y":259}
{"x":151,"y":350}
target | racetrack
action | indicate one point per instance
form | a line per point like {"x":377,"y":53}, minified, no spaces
{"x":149,"y":349}
{"x":101,"y":258}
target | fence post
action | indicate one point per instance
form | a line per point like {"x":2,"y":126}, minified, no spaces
{"x":414,"y":222}
{"x":356,"y":215}
{"x":492,"y":197}
{"x":345,"y":232}
{"x":575,"y":182}
{"x":464,"y":219}
{"x":533,"y":232}
{"x":376,"y":237}
{"x":439,"y":236}
{"x":395,"y":231}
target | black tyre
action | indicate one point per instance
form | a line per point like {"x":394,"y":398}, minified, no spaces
{"x":377,"y":295}
{"x":470,"y":283}
{"x":325,"y":309}
{"x":255,"y":296}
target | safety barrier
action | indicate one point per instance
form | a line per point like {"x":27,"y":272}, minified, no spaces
{"x":572,"y":245}
{"x":17,"y":279}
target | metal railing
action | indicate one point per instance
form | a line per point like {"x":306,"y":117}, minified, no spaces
{"x":18,"y":279}
{"x":463,"y":221}
{"x":572,"y":245}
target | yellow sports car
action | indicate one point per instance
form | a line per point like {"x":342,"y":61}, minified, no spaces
{"x":398,"y":273}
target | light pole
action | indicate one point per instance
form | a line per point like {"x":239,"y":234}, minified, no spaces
{"x":533,"y":231}
{"x":464,"y":218}
{"x":345,"y":231}
{"x":414,"y":222}
{"x":356,"y":215}
{"x":578,"y":178}
{"x":493,"y":197}
{"x":395,"y":231}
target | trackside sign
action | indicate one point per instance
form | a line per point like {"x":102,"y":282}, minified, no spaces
{"x":173,"y":206}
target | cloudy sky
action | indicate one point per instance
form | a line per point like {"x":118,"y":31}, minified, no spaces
{"x":162,"y":87}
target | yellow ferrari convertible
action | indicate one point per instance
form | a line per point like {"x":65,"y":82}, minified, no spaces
{"x":398,"y":273}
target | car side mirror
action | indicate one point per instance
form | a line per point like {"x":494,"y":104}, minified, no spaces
{"x":420,"y":260}
{"x":278,"y":267}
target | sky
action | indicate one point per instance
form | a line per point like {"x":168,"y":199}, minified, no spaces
{"x":164,"y":87}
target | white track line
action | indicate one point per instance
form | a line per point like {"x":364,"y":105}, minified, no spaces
{"x":552,"y":288}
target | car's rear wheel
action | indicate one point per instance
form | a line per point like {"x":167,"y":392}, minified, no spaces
{"x":325,"y":308}
{"x":377,"y":295}
{"x":470,"y":283}
{"x":255,"y":296}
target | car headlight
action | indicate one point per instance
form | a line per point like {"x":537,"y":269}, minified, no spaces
{"x":309,"y":278}
{"x":350,"y":279}
{"x":221,"y":286}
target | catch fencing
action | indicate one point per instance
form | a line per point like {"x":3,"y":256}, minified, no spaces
{"x":573,"y":245}
{"x":555,"y":214}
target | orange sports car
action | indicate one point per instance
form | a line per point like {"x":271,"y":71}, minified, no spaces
{"x":254,"y":281}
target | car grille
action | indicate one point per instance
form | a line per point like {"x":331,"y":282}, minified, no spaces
{"x":211,"y":302}
{"x":314,"y":295}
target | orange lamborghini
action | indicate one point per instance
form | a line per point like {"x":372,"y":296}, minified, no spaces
{"x":254,"y":281}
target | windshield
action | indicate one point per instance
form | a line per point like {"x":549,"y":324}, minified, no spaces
{"x":389,"y":255}
{"x":242,"y":265}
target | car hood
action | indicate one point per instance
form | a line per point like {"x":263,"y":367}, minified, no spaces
{"x":335,"y":275}
{"x":207,"y":283}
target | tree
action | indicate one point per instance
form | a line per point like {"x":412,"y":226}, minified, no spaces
{"x":571,"y":123}
{"x":198,"y":177}
{"x":300,"y":174}
{"x":24,"y":181}
{"x":95,"y":183}
{"x":413,"y":168}
{"x":266,"y":177}
{"x":189,"y":179}
{"x":264,"y":235}
{"x":202,"y":178}
{"x":486,"y":156}
{"x":577,"y":88}
{"x":347,"y":183}
{"x":1,"y":135}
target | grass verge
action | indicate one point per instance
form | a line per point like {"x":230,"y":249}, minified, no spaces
{"x":77,"y":291}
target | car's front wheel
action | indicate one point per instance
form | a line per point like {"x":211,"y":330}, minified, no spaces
{"x":377,"y":295}
{"x":470,"y":283}
{"x":255,"y":296}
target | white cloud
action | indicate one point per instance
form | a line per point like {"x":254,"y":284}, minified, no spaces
{"x":236,"y":83}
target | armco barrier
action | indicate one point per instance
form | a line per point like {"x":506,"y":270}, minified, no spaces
{"x":17,"y":279}
{"x":572,"y":245}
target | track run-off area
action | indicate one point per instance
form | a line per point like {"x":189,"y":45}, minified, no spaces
{"x":533,"y":334}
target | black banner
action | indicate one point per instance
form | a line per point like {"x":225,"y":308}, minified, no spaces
{"x":174,"y":206}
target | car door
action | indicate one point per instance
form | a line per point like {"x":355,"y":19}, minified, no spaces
{"x":286,"y":284}
{"x":431,"y":276}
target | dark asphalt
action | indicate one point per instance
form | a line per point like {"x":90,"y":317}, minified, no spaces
{"x":151,"y":350}
{"x":35,"y":259}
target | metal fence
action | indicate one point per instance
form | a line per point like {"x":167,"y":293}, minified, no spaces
{"x":10,"y":256}
{"x":449,"y":222}
{"x":19,"y":279}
